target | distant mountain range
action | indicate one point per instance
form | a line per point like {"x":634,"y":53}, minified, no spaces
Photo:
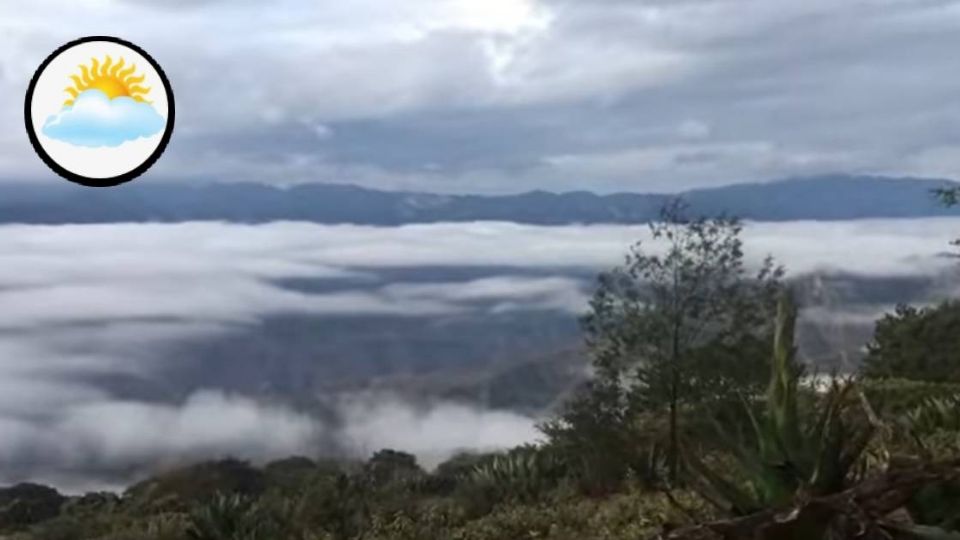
{"x":817,"y":198}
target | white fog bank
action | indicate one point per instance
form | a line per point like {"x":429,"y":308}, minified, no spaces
{"x":88,"y":300}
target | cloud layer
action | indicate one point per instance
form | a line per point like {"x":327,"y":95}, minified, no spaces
{"x":86,"y":304}
{"x":508,"y":95}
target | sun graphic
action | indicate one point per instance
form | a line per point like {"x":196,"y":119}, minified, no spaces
{"x":114,"y":80}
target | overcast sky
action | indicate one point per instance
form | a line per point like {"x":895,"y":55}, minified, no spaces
{"x":508,"y":95}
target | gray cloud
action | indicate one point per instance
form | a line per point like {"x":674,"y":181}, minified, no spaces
{"x":434,"y":433}
{"x":505,"y":95}
{"x":78,"y":449}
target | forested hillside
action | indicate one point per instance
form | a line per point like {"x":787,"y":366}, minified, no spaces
{"x":834,"y":197}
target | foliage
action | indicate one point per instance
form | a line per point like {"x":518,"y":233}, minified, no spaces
{"x":930,"y":429}
{"x":524,"y":474}
{"x":180,"y":488}
{"x":628,"y":515}
{"x":531,"y":492}
{"x":390,"y":466}
{"x":935,"y":413}
{"x":949,"y":196}
{"x":600,"y":439}
{"x":790,"y":449}
{"x":25,"y":504}
{"x":669,"y":330}
{"x":231,"y":517}
{"x":890,"y":396}
{"x":919,"y":344}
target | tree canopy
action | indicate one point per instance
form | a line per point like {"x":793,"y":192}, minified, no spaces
{"x":680,"y":322}
{"x":917,"y":343}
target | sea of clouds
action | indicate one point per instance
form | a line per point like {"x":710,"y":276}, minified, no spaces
{"x":78,"y":303}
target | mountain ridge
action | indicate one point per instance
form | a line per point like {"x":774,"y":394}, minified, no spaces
{"x":830,"y":197}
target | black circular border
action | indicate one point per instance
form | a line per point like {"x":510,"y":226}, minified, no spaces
{"x":84,"y":180}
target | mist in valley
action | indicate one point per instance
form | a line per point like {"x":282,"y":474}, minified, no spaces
{"x":202,"y":340}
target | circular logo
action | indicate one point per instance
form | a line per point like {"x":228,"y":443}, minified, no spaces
{"x":99,"y":111}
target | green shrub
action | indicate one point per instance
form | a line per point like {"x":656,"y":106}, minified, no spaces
{"x":634,"y":514}
{"x":892,"y":396}
{"x":522,"y":475}
{"x":919,"y":344}
{"x":230,"y":517}
{"x":25,"y":504}
{"x":179,"y":489}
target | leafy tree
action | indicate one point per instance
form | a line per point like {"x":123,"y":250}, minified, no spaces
{"x":24,"y":504}
{"x":390,"y":465}
{"x":949,"y":196}
{"x":597,"y":437}
{"x":676,"y":326}
{"x":917,"y":343}
{"x":201,"y":482}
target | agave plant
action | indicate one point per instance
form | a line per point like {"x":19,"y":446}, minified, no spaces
{"x":935,"y":413}
{"x":789,"y":450}
{"x":522,"y":474}
{"x":229,"y":517}
{"x":931,"y":428}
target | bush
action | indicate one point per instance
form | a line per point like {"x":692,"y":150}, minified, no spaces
{"x":919,"y":344}
{"x":26,"y":504}
{"x":178,"y":490}
{"x":891,"y":396}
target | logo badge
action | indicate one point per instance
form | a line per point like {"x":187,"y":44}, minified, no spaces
{"x":99,"y":111}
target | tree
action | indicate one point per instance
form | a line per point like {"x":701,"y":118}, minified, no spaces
{"x":950,"y":197}
{"x":919,"y":344}
{"x":390,"y":465}
{"x":679,"y":324}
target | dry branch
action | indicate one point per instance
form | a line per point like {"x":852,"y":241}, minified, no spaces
{"x":861,"y":512}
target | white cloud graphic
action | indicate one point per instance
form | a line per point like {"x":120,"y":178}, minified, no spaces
{"x":95,"y":120}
